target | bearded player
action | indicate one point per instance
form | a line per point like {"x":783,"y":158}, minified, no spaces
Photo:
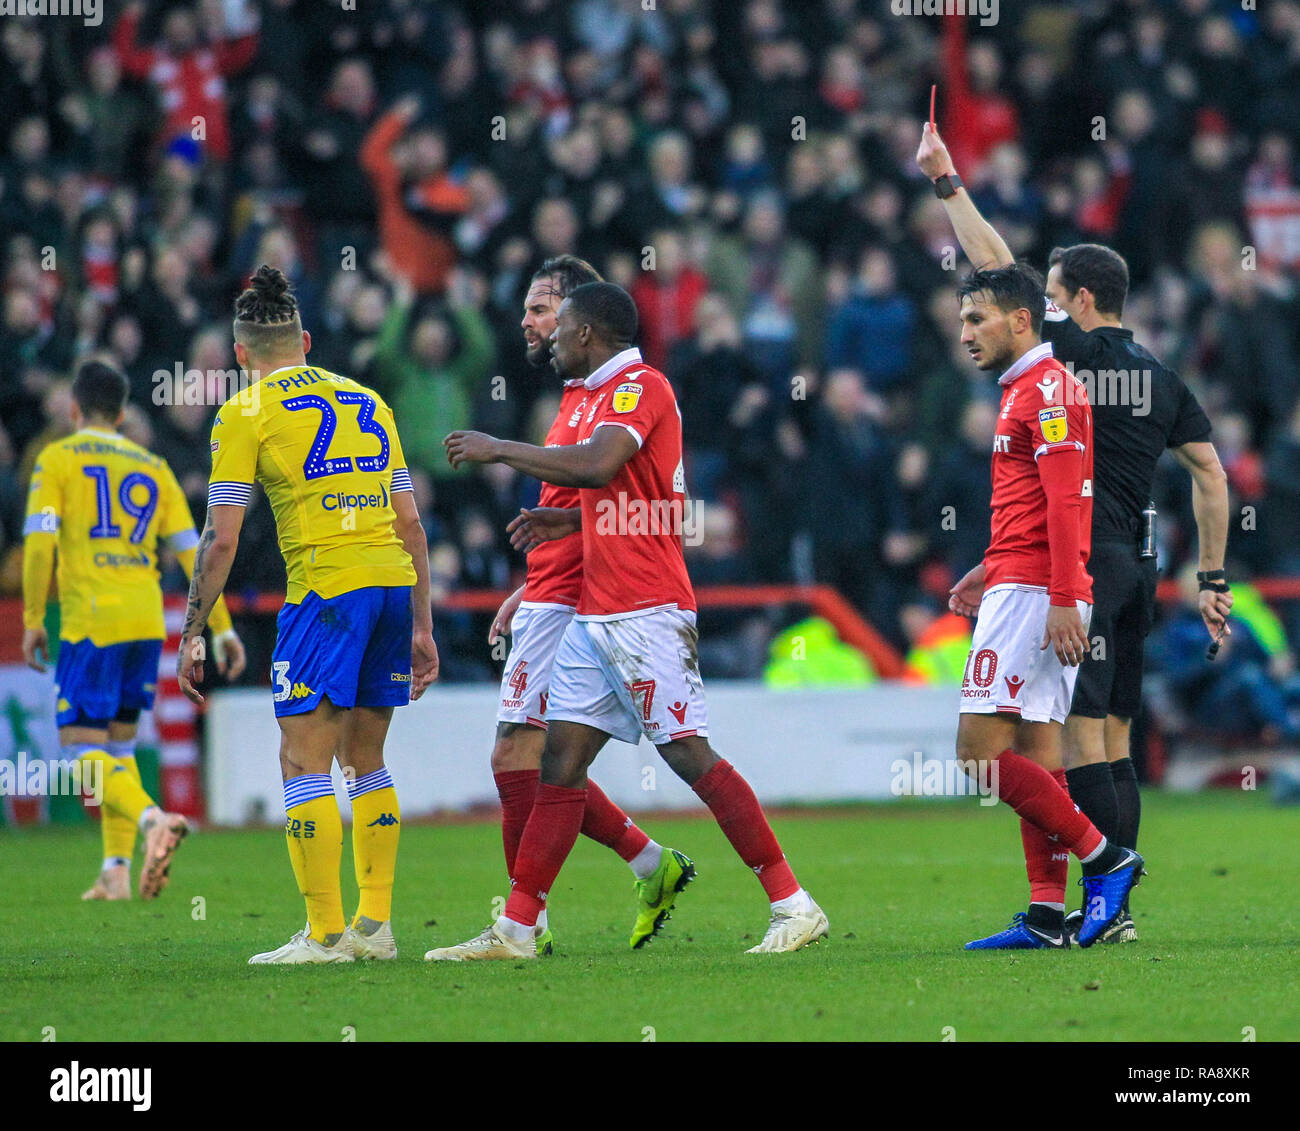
{"x":535,"y":617}
{"x":1032,"y":618}
{"x":627,"y":665}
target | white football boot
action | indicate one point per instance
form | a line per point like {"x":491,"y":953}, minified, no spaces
{"x":303,"y":949}
{"x":163,"y":833}
{"x":379,"y":943}
{"x":112,"y":883}
{"x":790,"y":931}
{"x":485,"y":946}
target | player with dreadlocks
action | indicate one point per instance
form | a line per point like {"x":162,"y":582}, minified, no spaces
{"x":355,"y":636}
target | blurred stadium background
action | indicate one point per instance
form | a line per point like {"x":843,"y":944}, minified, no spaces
{"x":745,"y":168}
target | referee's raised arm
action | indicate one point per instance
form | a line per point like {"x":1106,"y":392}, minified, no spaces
{"x":978,"y":238}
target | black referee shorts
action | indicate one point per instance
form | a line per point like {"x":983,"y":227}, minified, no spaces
{"x":1123,"y":611}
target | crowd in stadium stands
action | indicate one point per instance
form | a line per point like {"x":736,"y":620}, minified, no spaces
{"x":746,"y":169}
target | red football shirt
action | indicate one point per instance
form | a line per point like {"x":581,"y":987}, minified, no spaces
{"x":632,"y":526}
{"x":1045,"y":416}
{"x":555,"y":568}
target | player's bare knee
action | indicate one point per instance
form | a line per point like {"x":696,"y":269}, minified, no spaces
{"x":689,"y":758}
{"x":518,"y":746}
{"x":1084,"y":741}
{"x":289,"y":766}
{"x":564,"y":764}
{"x":969,"y":748}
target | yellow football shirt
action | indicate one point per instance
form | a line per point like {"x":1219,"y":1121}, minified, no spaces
{"x":106,"y":502}
{"x":326,"y":451}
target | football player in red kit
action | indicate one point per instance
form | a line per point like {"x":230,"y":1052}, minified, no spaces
{"x":1031,"y":631}
{"x":627,"y":665}
{"x":535,"y":617}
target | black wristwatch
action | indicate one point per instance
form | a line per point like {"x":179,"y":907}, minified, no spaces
{"x":1215,"y":580}
{"x":947,"y":186}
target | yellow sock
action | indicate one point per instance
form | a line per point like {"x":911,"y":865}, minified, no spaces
{"x":313,"y":829}
{"x":118,"y":832}
{"x":124,"y":796}
{"x":376,"y":823}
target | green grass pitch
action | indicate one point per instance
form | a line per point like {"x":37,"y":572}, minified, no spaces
{"x":904,"y":885}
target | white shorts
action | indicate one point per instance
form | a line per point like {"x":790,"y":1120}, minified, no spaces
{"x":631,"y":676}
{"x":1008,"y":669}
{"x":535,"y":634}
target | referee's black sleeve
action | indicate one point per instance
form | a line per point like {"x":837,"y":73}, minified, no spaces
{"x":1191,"y":425}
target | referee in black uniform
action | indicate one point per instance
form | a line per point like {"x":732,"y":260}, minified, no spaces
{"x":1139,"y":409}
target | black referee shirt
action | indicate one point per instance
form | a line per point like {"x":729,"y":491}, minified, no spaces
{"x":1139,"y":408}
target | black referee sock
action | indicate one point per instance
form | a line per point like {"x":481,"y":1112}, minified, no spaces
{"x":1129,"y":800}
{"x":1092,"y":789}
{"x":1045,"y":918}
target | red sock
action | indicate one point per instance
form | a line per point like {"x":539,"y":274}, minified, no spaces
{"x":607,"y":824}
{"x":1046,"y":862}
{"x":740,"y":817}
{"x":1032,"y":792}
{"x":517,"y":790}
{"x":548,"y":839}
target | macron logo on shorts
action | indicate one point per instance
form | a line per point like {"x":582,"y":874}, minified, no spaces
{"x":1014,"y":684}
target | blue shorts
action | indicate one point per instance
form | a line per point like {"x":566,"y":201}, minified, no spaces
{"x":355,"y":648}
{"x":95,"y":685}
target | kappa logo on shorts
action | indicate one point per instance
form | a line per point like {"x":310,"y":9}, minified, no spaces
{"x":1014,"y":684}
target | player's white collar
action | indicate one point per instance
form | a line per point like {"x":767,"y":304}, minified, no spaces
{"x":110,"y":435}
{"x":613,"y":365}
{"x":1026,"y":362}
{"x":571,"y":381}
{"x":284,"y":369}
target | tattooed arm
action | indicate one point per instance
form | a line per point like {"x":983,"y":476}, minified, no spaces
{"x":216,"y":553}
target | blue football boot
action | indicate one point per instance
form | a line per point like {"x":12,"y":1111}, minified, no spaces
{"x":1105,"y":895}
{"x":1021,"y":936}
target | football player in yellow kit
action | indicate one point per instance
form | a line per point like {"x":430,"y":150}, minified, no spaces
{"x":355,"y":636}
{"x":103,"y":503}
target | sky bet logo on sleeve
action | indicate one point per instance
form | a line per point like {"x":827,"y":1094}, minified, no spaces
{"x":1053,"y":423}
{"x":626,"y":397}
